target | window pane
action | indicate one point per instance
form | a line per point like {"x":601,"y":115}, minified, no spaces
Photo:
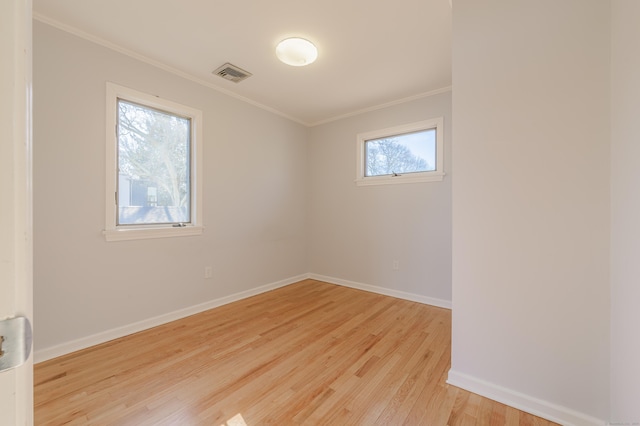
{"x":406,"y":153}
{"x":153,"y":166}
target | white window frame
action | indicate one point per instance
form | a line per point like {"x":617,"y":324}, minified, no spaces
{"x":112,"y":231}
{"x":430,"y":176}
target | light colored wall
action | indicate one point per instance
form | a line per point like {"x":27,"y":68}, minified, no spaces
{"x":355,"y":233}
{"x":625,"y":213}
{"x":255,"y":184}
{"x":531,"y":204}
{"x":531,"y":308}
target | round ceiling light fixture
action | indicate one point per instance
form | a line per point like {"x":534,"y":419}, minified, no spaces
{"x":296,"y":52}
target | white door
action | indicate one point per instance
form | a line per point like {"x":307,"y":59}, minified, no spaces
{"x":16,"y":299}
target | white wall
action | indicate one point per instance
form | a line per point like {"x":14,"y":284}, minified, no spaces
{"x":531,"y":205}
{"x":625,"y":212}
{"x":356,"y":232}
{"x":255,"y":183}
{"x":532,"y":307}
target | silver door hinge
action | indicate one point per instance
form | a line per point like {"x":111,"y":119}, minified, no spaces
{"x":15,"y":342}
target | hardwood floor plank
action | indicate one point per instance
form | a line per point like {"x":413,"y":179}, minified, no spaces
{"x":485,"y":410}
{"x":498,"y":415}
{"x":309,"y":353}
{"x":436,"y":399}
{"x":512,"y":416}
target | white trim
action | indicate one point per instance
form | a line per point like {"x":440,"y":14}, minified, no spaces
{"x":382,"y":106}
{"x":112,"y":232}
{"x":124,"y":234}
{"x":547,"y":410}
{"x":109,"y":45}
{"x":51,"y":352}
{"x":16,"y":193}
{"x":431,"y":176}
{"x":391,"y":180}
{"x":440,"y":303}
{"x":115,"y":333}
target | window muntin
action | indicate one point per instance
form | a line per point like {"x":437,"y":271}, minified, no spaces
{"x":154,"y":159}
{"x":154,"y":167}
{"x":401,"y":154}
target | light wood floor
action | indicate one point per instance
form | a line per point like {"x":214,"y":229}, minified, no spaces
{"x":309,"y":353}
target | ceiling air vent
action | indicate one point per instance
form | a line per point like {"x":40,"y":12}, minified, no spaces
{"x":232,"y":73}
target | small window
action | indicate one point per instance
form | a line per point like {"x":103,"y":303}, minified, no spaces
{"x":153,"y":166}
{"x":402,"y":154}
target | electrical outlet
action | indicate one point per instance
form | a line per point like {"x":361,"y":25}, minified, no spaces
{"x":396,"y":265}
{"x":208,"y":271}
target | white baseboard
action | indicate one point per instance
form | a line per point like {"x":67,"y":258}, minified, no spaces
{"x":523,"y":402}
{"x":544,"y":409}
{"x":384,"y":291}
{"x":115,"y":333}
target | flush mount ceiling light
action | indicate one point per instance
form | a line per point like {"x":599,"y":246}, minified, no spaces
{"x":296,"y":52}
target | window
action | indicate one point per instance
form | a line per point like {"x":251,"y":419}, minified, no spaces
{"x":402,"y":154}
{"x":153,"y":167}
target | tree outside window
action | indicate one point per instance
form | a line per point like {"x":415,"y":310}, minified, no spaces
{"x":153,"y":165}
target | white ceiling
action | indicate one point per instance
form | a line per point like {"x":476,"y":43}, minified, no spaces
{"x":371,"y":52}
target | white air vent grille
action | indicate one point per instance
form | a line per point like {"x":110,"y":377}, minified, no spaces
{"x":232,"y":73}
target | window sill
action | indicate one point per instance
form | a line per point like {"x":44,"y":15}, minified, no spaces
{"x":124,"y":234}
{"x":393,"y":180}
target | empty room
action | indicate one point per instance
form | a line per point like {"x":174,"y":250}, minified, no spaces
{"x":347,"y":213}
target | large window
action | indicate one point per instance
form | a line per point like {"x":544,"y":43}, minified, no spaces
{"x":153,"y":166}
{"x":402,"y":154}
